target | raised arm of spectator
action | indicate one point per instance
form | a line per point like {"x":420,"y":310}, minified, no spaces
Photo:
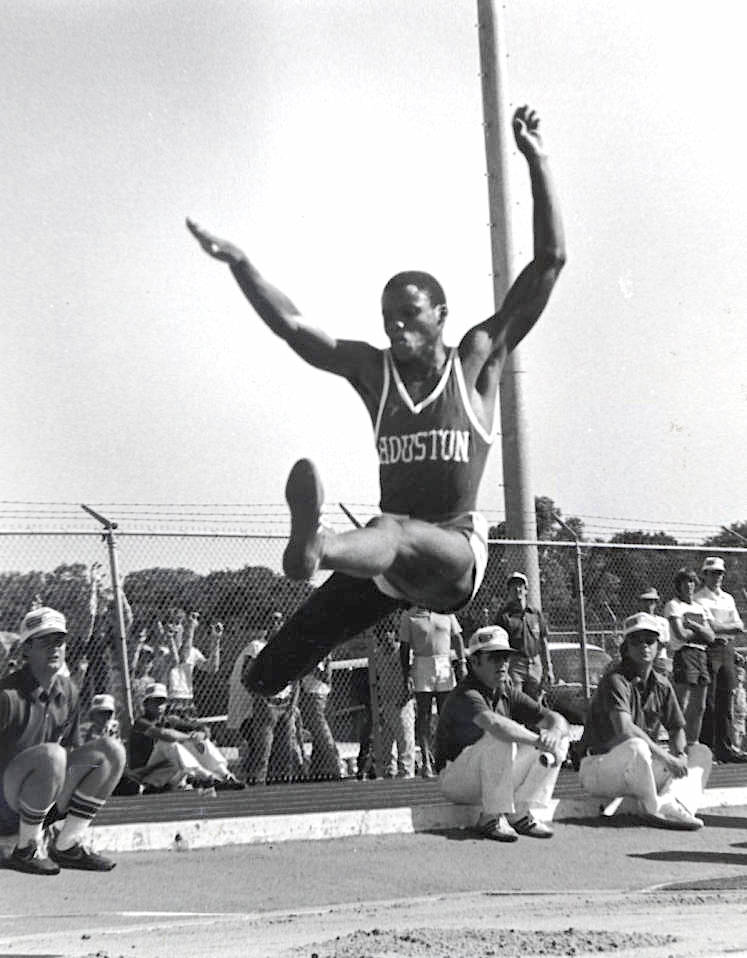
{"x":188,"y":640}
{"x":212,"y":663}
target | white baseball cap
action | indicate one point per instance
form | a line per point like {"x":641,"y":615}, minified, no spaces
{"x":640,"y":622}
{"x":713,"y":564}
{"x":490,"y":638}
{"x":44,"y":621}
{"x":156,"y":691}
{"x":102,"y":703}
{"x":518,"y":575}
{"x":651,"y":593}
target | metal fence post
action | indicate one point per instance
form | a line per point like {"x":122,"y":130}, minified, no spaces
{"x":373,"y":687}
{"x":581,"y":609}
{"x":124,"y":663}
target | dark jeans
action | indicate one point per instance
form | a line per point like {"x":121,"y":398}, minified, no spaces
{"x":338,"y":610}
{"x":271,"y":739}
{"x":716,"y":731}
{"x":325,"y":759}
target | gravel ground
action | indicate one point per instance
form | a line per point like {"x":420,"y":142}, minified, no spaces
{"x":449,"y":943}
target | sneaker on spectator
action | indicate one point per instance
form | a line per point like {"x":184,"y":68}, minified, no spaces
{"x":32,"y":860}
{"x":529,"y":825}
{"x":497,"y":829}
{"x":229,"y":783}
{"x":676,"y":816}
{"x":77,"y":856}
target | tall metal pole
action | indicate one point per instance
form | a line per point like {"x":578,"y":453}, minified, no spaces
{"x":521,"y":521}
{"x":124,"y":663}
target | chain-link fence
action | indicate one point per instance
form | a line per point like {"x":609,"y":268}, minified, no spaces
{"x":223,"y":595}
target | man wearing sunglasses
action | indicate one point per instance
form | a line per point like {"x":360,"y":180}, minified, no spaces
{"x":624,"y":754}
{"x":487,"y":750}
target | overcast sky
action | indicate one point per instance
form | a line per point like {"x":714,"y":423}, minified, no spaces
{"x":339,"y":143}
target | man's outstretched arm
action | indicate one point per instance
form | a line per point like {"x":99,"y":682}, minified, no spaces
{"x":278,"y":312}
{"x":494,"y":339}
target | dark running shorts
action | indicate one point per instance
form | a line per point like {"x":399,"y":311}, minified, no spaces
{"x":691,"y":666}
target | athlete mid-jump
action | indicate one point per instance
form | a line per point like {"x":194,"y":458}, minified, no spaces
{"x":432,"y":409}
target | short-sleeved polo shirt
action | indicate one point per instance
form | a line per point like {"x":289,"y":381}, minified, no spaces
{"x":525,"y":626}
{"x":456,"y":724}
{"x":651,"y":704}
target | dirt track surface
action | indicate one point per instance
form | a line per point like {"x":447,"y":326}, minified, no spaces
{"x":461,"y":896}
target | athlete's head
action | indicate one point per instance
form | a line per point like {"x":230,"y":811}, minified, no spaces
{"x":414,"y":308}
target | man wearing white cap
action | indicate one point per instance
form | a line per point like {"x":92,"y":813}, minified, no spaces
{"x":42,"y":763}
{"x":486,"y":752}
{"x":531,"y":670}
{"x":648,"y":600}
{"x":624,"y":758}
{"x":726,"y":623}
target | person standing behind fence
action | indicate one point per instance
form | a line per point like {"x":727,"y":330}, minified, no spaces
{"x":272,"y":746}
{"x":426,"y":641}
{"x":531,"y":670}
{"x":188,"y":658}
{"x":716,"y":731}
{"x":648,"y":600}
{"x":316,"y":685}
{"x":396,"y":708}
{"x":691,"y":634}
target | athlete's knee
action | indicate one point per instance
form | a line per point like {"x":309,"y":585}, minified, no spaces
{"x":110,"y":752}
{"x":386,"y":524}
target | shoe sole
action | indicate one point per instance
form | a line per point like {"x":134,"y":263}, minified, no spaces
{"x":14,"y":866}
{"x":671,"y":825}
{"x":305,"y":497}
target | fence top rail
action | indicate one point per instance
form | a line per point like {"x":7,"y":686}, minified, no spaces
{"x":220,"y":534}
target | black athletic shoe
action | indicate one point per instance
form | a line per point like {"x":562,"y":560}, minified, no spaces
{"x":81,"y":858}
{"x":230,"y":784}
{"x":305,"y":497}
{"x":31,"y":859}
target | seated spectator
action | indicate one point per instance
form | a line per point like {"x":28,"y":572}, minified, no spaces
{"x":188,"y":658}
{"x":631,"y":704}
{"x":739,"y":706}
{"x":324,"y":761}
{"x":396,"y":708}
{"x":691,"y":636}
{"x":101,"y":718}
{"x":45,"y":771}
{"x":648,"y":601}
{"x":169,"y":751}
{"x":273,"y":752}
{"x":487,"y":753}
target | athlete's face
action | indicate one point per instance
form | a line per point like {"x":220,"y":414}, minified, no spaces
{"x":686,"y":590}
{"x":642,"y":647}
{"x":412,"y":323}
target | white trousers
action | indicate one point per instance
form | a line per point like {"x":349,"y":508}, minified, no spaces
{"x":169,"y":762}
{"x":630,"y":769}
{"x":502,"y":777}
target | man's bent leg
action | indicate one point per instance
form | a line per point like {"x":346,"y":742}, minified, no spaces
{"x":93,"y":771}
{"x":625,"y":770}
{"x":482,"y":774}
{"x":688,"y":791}
{"x":339,"y":609}
{"x":31,"y":784}
{"x":534,"y":783}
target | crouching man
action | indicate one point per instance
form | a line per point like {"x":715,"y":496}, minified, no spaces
{"x":624,"y":758}
{"x":485,"y":753}
{"x":45,"y":772}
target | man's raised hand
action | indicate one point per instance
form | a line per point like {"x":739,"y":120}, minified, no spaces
{"x":217,"y":248}
{"x":526,"y":132}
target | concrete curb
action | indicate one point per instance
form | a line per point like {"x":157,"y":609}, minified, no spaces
{"x":311,"y":826}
